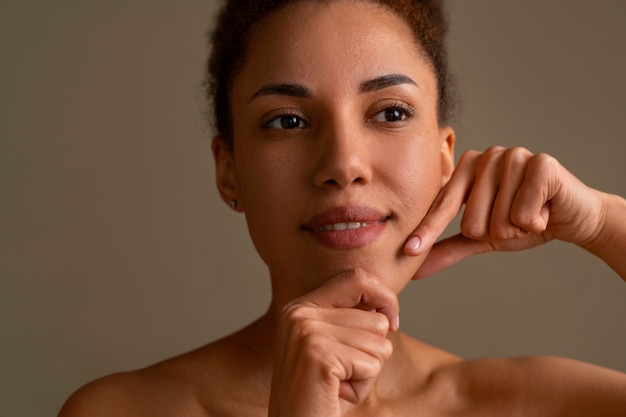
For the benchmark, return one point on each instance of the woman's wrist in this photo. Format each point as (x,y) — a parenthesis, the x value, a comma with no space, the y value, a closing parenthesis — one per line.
(609,240)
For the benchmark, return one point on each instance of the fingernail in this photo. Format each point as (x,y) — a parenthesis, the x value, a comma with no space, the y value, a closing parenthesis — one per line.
(397,323)
(413,244)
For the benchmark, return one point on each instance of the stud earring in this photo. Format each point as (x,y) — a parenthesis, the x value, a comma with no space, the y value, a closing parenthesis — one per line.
(233,204)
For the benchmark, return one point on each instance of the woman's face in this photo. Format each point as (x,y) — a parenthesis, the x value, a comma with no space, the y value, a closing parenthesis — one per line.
(337,151)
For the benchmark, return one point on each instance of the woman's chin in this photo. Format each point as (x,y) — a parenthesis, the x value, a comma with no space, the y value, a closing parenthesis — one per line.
(396,272)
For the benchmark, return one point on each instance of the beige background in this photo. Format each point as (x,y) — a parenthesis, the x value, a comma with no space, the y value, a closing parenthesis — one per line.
(116,252)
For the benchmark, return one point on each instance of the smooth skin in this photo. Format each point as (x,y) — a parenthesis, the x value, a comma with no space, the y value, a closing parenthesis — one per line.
(353,127)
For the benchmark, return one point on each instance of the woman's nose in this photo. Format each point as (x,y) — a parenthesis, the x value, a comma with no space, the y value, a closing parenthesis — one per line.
(342,158)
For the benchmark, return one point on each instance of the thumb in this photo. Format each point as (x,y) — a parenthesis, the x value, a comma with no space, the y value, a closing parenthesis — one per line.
(448,252)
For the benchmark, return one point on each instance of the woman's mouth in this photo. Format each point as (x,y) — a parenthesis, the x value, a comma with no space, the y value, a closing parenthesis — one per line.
(343,226)
(346,227)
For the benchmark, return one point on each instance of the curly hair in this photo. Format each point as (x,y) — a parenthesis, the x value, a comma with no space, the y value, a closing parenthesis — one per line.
(229,40)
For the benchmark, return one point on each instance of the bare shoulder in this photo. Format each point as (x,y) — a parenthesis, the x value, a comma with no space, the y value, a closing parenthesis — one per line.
(110,395)
(202,383)
(144,392)
(538,386)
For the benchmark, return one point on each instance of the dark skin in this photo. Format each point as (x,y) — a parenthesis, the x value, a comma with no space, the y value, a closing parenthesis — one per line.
(329,344)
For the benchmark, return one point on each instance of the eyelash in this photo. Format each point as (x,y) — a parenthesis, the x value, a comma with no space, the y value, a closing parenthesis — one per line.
(407,112)
(285,114)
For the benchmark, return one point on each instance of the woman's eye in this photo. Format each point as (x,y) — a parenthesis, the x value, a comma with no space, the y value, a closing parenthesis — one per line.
(288,121)
(392,114)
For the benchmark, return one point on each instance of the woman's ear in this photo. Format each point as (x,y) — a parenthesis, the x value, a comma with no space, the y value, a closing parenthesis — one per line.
(448,137)
(225,173)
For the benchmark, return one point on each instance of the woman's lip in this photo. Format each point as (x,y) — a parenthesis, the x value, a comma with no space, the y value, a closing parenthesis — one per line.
(346,227)
(345,214)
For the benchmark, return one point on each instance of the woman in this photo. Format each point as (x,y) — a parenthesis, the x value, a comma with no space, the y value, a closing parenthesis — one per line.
(333,140)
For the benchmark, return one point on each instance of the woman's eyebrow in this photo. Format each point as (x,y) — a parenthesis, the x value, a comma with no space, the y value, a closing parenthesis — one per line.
(299,91)
(385,81)
(292,90)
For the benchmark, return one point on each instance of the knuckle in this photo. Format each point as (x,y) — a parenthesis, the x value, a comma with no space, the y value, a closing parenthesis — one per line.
(468,156)
(516,156)
(521,217)
(494,150)
(377,367)
(307,329)
(386,349)
(491,156)
(472,229)
(315,348)
(381,324)
(310,337)
(364,281)
(529,222)
(543,162)
(356,277)
(368,366)
(296,312)
(290,309)
(370,290)
(360,281)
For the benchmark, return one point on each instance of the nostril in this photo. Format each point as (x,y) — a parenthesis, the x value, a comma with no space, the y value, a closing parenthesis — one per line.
(333,182)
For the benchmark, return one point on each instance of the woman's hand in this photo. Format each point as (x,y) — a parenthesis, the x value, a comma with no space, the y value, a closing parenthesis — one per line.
(516,200)
(330,353)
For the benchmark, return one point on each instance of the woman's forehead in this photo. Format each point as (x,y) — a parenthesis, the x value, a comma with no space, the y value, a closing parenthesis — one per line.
(337,42)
